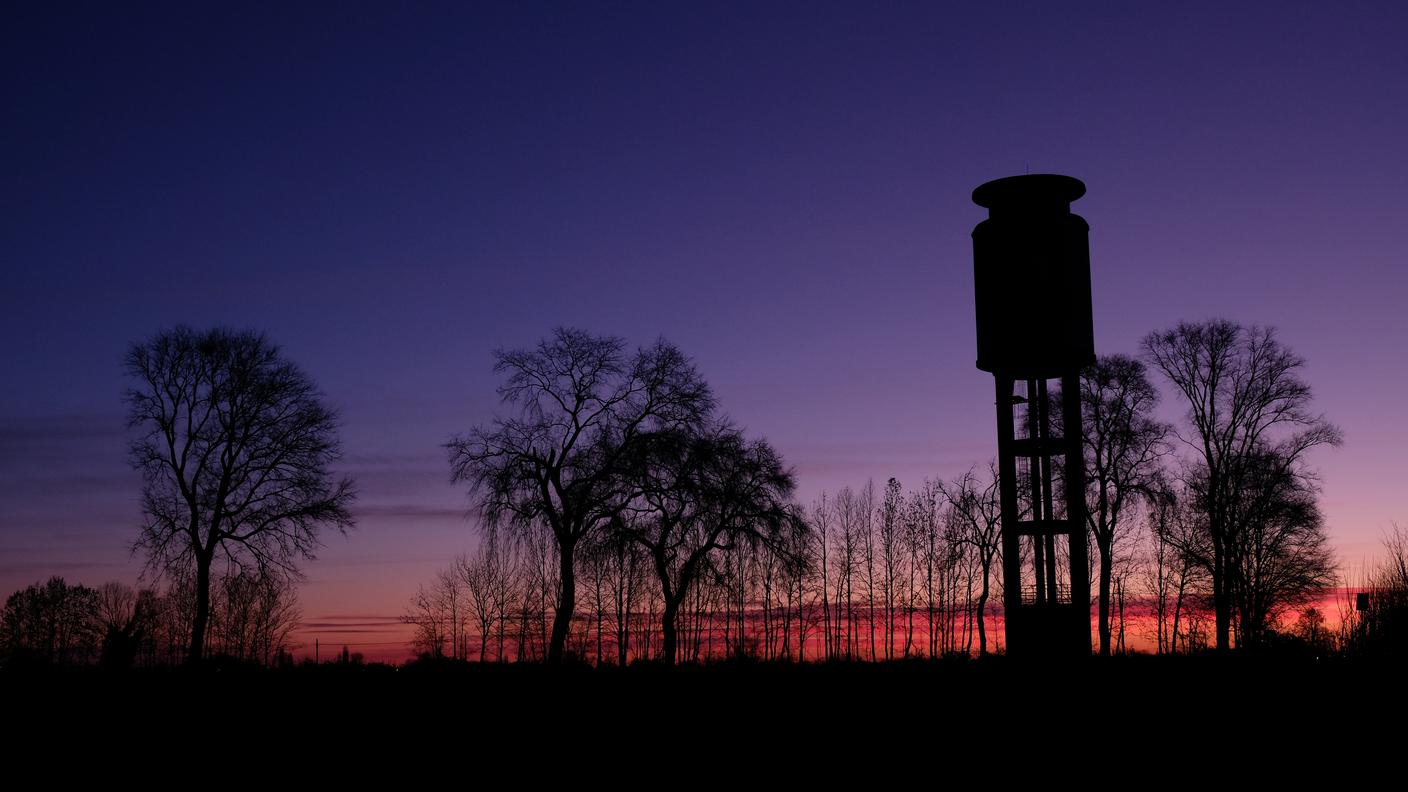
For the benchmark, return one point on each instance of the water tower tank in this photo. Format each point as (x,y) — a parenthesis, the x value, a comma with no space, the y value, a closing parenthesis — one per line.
(1031,271)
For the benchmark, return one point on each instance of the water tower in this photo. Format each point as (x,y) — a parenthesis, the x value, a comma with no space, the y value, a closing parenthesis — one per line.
(1031,271)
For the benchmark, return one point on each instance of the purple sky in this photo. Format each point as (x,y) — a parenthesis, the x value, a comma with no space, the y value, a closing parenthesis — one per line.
(782,192)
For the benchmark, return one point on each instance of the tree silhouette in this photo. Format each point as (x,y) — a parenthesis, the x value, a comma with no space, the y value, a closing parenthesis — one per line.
(1124,448)
(975,515)
(702,492)
(234,450)
(1282,554)
(126,618)
(53,623)
(1380,625)
(252,616)
(1246,403)
(581,408)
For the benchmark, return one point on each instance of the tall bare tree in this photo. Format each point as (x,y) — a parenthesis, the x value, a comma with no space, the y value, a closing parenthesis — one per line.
(821,525)
(487,576)
(234,448)
(973,509)
(865,503)
(891,549)
(581,406)
(851,517)
(1246,401)
(1124,449)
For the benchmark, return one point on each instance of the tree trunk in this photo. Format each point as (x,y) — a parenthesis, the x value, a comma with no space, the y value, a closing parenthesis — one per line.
(667,630)
(1221,602)
(1106,569)
(562,621)
(982,618)
(202,614)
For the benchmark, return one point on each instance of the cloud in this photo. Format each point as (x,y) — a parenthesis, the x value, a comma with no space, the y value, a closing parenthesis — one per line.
(424,461)
(381,617)
(48,429)
(343,632)
(411,511)
(347,627)
(47,569)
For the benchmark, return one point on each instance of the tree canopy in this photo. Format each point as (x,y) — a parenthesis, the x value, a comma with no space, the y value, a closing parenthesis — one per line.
(1250,426)
(234,445)
(580,408)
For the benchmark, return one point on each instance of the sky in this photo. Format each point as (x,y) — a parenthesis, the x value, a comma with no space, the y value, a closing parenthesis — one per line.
(393,191)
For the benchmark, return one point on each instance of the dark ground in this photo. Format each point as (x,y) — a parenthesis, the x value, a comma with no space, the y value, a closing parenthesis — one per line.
(995,714)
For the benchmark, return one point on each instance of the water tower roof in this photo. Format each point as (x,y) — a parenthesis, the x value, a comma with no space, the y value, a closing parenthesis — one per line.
(1033,189)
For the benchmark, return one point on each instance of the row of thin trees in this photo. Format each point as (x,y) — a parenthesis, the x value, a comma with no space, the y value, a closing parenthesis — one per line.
(884,573)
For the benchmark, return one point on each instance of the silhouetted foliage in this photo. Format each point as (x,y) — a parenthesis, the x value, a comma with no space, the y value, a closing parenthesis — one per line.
(974,514)
(50,624)
(1174,575)
(128,618)
(702,492)
(253,616)
(581,409)
(1247,409)
(1124,449)
(234,449)
(1282,555)
(1380,627)
(879,570)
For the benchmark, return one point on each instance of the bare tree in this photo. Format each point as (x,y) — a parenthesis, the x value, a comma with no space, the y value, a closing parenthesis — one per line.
(53,623)
(865,503)
(850,512)
(1282,554)
(234,448)
(1379,625)
(1124,448)
(976,514)
(125,618)
(703,492)
(253,616)
(1245,400)
(1158,580)
(1177,578)
(891,548)
(821,523)
(427,615)
(930,561)
(627,565)
(581,408)
(487,578)
(808,585)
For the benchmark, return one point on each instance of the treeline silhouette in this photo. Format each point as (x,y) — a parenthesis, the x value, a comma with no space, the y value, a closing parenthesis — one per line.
(1379,623)
(886,575)
(879,576)
(1221,545)
(252,620)
(624,518)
